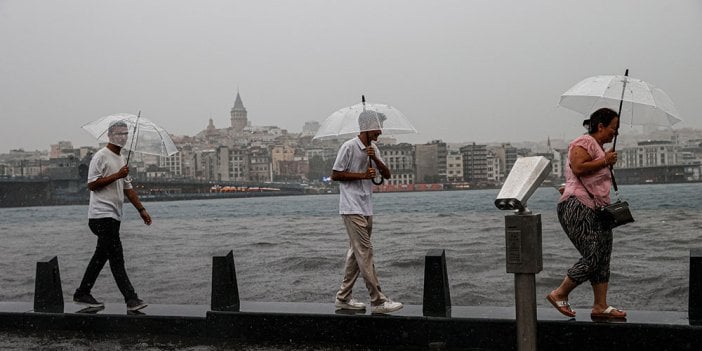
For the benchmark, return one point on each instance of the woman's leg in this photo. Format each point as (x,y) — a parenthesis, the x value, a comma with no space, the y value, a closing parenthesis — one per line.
(563,290)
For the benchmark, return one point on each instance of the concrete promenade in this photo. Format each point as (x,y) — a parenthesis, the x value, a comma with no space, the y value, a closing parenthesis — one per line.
(482,328)
(435,324)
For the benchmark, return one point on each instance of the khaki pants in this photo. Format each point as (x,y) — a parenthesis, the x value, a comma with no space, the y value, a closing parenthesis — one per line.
(359,259)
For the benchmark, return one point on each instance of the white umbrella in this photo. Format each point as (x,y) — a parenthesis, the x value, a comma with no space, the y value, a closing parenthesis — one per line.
(643,103)
(349,121)
(363,117)
(144,136)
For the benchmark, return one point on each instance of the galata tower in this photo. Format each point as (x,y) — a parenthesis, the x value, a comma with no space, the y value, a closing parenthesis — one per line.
(238,113)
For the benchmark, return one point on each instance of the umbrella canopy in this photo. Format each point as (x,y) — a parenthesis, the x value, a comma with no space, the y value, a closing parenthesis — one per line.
(350,121)
(144,136)
(642,103)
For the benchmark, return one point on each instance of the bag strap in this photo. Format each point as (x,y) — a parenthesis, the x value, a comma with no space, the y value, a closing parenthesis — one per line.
(594,200)
(583,184)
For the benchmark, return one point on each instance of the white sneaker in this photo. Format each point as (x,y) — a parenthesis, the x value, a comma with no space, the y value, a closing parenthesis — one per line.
(387,307)
(351,304)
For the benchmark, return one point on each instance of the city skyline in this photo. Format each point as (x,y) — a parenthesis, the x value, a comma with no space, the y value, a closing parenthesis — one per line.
(461,71)
(628,137)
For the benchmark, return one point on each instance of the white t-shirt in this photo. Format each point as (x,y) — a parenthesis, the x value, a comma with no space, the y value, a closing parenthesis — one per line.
(355,195)
(106,202)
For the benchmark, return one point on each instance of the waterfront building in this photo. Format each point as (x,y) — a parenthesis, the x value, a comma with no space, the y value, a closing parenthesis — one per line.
(494,164)
(25,168)
(556,163)
(508,156)
(430,161)
(188,161)
(475,164)
(279,154)
(650,153)
(155,172)
(207,162)
(658,161)
(232,163)
(454,167)
(295,169)
(173,164)
(691,157)
(399,158)
(259,165)
(20,154)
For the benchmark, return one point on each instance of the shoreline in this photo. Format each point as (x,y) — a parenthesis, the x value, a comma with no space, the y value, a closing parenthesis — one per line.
(83,199)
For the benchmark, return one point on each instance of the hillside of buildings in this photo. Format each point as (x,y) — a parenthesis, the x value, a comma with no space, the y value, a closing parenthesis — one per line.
(244,153)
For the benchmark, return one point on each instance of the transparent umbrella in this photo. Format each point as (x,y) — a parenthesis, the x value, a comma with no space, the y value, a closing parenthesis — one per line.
(642,103)
(363,117)
(144,136)
(349,121)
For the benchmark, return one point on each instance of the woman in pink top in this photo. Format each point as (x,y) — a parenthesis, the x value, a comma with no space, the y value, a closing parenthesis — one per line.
(588,182)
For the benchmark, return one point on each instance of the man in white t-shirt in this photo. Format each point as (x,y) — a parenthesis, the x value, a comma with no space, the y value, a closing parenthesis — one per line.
(353,171)
(108,187)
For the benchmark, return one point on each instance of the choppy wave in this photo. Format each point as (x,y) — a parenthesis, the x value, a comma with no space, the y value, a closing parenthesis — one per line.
(292,248)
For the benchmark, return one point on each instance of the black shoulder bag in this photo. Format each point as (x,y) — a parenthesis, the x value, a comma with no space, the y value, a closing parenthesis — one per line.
(614,214)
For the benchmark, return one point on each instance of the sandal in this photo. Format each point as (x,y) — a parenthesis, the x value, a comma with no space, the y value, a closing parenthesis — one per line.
(609,313)
(561,305)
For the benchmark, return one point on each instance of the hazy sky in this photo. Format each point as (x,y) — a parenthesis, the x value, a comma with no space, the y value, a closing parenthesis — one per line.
(460,70)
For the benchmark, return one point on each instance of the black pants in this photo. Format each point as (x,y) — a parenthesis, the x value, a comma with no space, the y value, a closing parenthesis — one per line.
(109,248)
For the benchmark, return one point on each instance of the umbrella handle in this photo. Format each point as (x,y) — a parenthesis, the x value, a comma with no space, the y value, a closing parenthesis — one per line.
(380,182)
(370,165)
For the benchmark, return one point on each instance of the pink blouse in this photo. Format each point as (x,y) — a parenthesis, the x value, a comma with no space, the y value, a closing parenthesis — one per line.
(598,183)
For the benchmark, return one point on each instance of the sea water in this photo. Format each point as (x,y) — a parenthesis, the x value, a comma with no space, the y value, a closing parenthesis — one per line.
(291,249)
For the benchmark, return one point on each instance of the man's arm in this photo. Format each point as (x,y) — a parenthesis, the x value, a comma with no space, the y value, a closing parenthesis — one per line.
(344,176)
(102,182)
(131,194)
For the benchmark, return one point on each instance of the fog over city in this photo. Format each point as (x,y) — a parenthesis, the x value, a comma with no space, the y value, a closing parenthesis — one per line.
(483,71)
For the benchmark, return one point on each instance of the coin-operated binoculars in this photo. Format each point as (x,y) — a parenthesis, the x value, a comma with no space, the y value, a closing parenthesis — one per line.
(523,241)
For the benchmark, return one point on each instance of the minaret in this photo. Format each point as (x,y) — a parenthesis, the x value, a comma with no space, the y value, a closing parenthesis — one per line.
(238,113)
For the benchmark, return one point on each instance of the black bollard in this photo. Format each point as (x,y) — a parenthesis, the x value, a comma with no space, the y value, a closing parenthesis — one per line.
(437,297)
(48,295)
(225,293)
(694,309)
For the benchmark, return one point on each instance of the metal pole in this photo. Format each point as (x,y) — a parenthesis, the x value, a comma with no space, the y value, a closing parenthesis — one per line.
(525,299)
(524,259)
